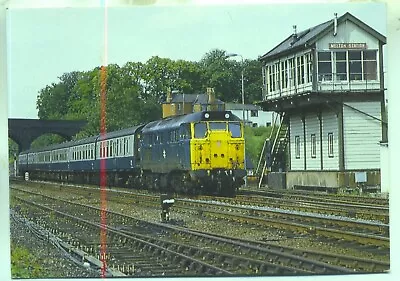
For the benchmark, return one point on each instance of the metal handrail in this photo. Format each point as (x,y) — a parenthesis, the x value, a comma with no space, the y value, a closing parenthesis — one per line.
(272,150)
(265,143)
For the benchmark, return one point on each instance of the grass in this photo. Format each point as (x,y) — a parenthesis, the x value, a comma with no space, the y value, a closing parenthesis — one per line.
(23,263)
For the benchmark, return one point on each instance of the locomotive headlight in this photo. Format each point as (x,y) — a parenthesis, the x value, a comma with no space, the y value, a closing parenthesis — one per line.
(227,115)
(206,115)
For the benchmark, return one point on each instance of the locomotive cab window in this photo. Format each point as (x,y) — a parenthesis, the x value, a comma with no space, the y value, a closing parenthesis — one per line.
(234,129)
(185,132)
(200,130)
(217,126)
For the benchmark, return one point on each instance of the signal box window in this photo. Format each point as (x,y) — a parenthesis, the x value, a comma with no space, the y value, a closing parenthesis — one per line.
(313,146)
(324,66)
(330,145)
(297,146)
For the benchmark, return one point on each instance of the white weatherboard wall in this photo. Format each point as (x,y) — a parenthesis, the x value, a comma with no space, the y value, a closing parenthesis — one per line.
(330,125)
(362,135)
(348,32)
(296,129)
(312,127)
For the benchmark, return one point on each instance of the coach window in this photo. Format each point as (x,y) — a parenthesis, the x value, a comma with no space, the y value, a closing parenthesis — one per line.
(117,148)
(111,148)
(200,130)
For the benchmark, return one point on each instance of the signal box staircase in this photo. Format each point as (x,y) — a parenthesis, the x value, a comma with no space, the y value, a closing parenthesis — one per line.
(273,154)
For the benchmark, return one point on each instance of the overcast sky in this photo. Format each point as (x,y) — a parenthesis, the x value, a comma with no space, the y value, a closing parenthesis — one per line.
(45,43)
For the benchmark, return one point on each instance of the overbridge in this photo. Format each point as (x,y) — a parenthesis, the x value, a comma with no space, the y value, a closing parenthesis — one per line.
(25,131)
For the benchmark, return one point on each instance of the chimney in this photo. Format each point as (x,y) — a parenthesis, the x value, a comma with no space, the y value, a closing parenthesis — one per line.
(169,96)
(211,95)
(335,25)
(294,35)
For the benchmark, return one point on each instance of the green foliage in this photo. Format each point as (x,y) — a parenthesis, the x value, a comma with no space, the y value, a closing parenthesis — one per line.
(255,138)
(47,139)
(12,148)
(135,91)
(23,264)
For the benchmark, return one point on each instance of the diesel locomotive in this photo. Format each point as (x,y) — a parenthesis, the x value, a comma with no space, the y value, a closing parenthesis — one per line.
(197,153)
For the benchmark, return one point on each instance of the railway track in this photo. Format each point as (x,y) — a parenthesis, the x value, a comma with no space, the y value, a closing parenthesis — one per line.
(365,233)
(308,195)
(360,264)
(340,228)
(338,208)
(169,249)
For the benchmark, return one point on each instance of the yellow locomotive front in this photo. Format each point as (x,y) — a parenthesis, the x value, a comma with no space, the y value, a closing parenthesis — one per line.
(217,155)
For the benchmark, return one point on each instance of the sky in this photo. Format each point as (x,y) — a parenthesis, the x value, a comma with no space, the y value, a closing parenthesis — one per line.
(43,44)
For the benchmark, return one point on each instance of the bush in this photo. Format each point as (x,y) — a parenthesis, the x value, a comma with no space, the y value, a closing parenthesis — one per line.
(255,138)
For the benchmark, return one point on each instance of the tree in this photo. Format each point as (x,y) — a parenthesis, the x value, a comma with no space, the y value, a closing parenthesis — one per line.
(253,81)
(135,91)
(222,74)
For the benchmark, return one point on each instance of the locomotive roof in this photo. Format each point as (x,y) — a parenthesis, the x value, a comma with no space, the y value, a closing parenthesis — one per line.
(174,122)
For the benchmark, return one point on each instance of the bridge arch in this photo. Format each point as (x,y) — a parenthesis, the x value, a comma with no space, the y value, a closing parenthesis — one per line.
(25,131)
